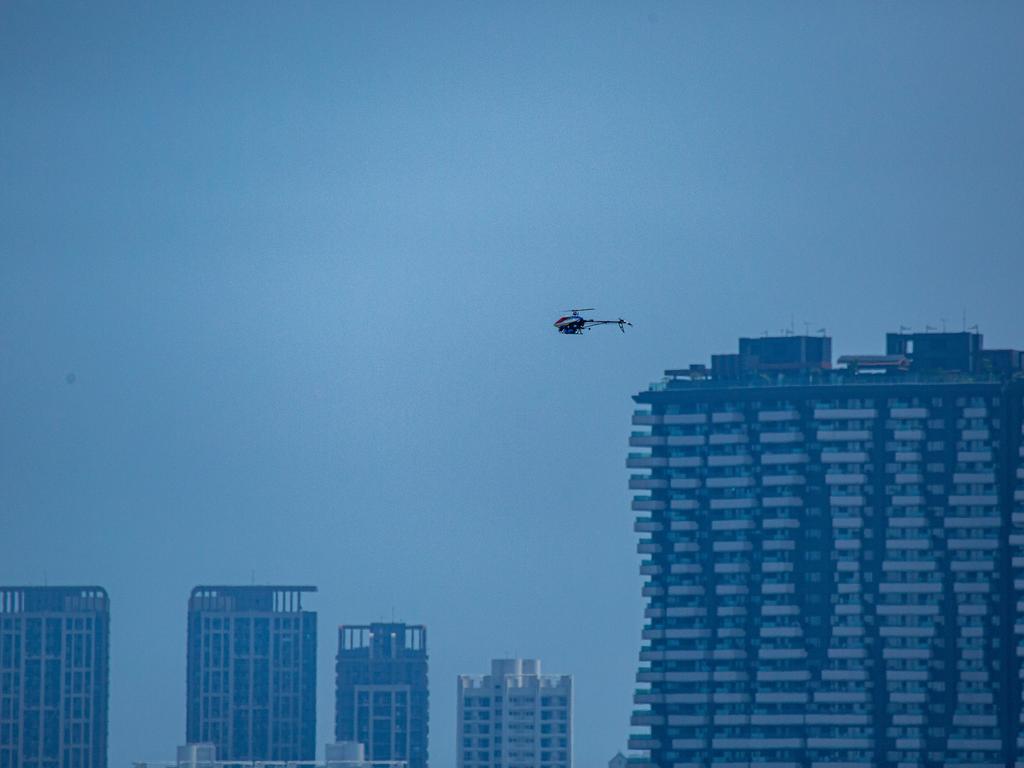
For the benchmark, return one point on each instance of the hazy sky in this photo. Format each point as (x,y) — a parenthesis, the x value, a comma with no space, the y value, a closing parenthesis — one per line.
(303,260)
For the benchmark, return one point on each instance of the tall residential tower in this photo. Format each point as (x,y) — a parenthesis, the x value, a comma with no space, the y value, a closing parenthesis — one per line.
(834,557)
(515,717)
(252,672)
(382,691)
(54,677)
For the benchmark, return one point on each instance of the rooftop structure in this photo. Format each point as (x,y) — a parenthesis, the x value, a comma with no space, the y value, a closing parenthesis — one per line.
(908,358)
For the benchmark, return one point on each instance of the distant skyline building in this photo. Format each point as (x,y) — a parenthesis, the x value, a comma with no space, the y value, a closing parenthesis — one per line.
(338,755)
(381,691)
(252,672)
(834,557)
(515,717)
(54,677)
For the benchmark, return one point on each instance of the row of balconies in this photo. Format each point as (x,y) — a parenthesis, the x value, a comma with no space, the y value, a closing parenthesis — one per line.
(898,439)
(642,417)
(646,461)
(847,499)
(646,439)
(648,483)
(792,414)
(969,462)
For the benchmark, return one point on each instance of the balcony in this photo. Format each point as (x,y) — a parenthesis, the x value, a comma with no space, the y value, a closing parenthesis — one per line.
(731,460)
(823,414)
(730,482)
(685,440)
(645,461)
(843,435)
(771,438)
(646,717)
(728,439)
(645,483)
(645,418)
(646,525)
(647,504)
(685,418)
(643,440)
(643,743)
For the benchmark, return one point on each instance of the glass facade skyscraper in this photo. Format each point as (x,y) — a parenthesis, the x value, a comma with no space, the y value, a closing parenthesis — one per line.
(54,677)
(382,699)
(833,557)
(252,672)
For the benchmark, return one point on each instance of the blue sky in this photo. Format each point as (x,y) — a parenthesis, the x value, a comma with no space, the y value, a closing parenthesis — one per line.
(303,260)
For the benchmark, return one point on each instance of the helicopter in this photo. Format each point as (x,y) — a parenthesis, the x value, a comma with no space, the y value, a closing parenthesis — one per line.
(573,324)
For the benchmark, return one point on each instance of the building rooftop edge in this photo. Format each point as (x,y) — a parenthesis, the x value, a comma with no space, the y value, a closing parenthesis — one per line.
(55,587)
(251,588)
(792,360)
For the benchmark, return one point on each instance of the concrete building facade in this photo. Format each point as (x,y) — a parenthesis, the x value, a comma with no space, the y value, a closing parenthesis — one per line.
(252,672)
(515,717)
(833,557)
(381,691)
(54,677)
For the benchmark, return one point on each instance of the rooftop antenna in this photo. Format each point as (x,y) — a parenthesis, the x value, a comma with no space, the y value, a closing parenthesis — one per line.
(943,324)
(807,328)
(252,577)
(965,317)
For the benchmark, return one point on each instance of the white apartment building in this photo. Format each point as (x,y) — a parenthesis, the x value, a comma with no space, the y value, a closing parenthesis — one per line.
(515,717)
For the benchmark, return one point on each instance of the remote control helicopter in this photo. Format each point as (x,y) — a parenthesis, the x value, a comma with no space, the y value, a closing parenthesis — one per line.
(573,324)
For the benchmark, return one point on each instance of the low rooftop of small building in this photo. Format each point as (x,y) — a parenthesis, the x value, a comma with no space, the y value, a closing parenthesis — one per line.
(910,357)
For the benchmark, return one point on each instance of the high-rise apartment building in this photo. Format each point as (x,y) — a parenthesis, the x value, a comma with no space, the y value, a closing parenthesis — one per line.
(382,691)
(54,677)
(515,717)
(834,557)
(252,672)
